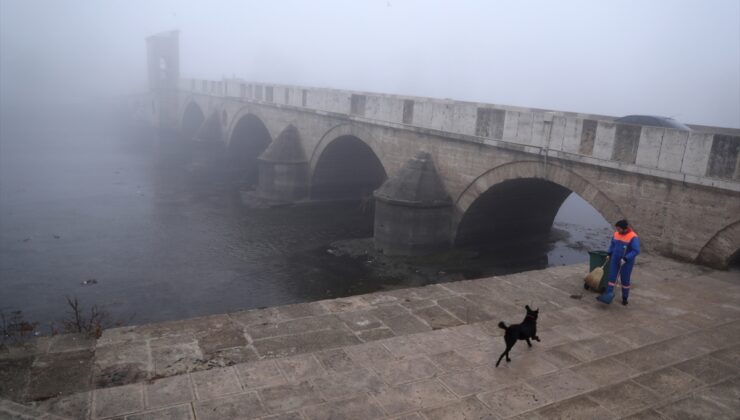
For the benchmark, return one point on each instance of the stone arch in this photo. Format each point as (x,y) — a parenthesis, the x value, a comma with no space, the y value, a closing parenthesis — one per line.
(357,167)
(558,178)
(211,130)
(722,248)
(345,129)
(191,120)
(248,138)
(235,117)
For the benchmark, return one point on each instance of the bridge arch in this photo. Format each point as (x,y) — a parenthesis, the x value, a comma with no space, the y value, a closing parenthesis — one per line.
(345,165)
(723,249)
(192,120)
(523,195)
(248,138)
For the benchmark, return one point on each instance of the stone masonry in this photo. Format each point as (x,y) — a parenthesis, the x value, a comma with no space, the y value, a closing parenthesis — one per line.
(420,353)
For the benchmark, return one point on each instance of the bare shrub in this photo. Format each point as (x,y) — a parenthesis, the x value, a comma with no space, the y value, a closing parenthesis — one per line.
(76,321)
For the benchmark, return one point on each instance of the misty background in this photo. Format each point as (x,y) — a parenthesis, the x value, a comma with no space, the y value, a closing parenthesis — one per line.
(670,58)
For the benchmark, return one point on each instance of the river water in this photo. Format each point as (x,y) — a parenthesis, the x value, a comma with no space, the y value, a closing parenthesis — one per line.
(101,214)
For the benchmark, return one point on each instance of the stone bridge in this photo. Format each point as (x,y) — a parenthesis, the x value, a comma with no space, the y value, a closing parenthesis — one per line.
(447,172)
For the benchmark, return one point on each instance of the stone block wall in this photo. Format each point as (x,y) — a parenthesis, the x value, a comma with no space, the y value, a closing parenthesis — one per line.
(704,154)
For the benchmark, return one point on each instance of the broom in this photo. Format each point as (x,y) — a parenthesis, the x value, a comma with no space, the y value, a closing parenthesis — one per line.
(592,279)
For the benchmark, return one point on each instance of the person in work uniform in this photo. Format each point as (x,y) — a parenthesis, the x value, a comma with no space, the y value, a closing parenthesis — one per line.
(624,248)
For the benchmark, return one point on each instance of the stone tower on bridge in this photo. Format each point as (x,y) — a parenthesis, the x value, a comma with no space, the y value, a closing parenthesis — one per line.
(163,61)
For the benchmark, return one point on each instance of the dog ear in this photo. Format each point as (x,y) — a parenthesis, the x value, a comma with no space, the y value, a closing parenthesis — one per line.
(527,307)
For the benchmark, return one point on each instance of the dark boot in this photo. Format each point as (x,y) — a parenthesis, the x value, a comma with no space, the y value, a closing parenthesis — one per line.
(607,297)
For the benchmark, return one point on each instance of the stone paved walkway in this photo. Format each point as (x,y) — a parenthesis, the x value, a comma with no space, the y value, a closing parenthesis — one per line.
(423,353)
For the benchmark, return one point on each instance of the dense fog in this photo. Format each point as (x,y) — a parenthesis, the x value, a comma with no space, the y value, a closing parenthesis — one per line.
(670,58)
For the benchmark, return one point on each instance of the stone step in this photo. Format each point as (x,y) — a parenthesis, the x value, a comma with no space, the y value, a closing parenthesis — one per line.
(676,336)
(13,410)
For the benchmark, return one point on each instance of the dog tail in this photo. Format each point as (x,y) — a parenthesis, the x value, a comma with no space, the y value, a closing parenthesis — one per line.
(502,325)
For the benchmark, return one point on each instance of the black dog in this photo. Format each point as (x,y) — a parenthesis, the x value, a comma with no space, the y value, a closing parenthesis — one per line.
(524,331)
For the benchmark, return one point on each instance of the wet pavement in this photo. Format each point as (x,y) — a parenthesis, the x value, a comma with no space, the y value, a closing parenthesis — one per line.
(416,353)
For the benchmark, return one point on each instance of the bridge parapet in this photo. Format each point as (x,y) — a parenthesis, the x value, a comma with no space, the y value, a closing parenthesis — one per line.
(707,156)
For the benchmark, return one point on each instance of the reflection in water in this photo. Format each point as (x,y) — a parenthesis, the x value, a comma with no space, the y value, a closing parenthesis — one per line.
(163,241)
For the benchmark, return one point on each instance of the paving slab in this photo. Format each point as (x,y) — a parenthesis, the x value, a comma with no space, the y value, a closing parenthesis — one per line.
(180,412)
(284,416)
(406,370)
(708,369)
(695,408)
(730,355)
(359,321)
(471,382)
(359,407)
(14,378)
(301,367)
(403,346)
(605,371)
(301,310)
(117,401)
(288,345)
(259,374)
(406,324)
(375,334)
(648,414)
(450,361)
(562,384)
(255,317)
(437,317)
(294,326)
(514,400)
(336,360)
(348,383)
(465,309)
(625,398)
(290,396)
(55,374)
(237,406)
(467,409)
(560,358)
(668,382)
(214,383)
(75,406)
(370,353)
(221,339)
(648,357)
(169,391)
(121,364)
(412,396)
(579,408)
(726,393)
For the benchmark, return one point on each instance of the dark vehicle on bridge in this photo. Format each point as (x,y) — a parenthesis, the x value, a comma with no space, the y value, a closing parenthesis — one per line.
(652,120)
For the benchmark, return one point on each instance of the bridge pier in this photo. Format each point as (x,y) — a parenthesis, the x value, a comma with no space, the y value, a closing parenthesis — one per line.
(283,170)
(208,149)
(413,211)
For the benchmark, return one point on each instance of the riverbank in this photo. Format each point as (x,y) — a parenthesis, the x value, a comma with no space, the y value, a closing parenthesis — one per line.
(414,353)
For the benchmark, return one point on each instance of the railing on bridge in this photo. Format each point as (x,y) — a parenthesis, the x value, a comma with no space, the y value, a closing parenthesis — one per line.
(702,155)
